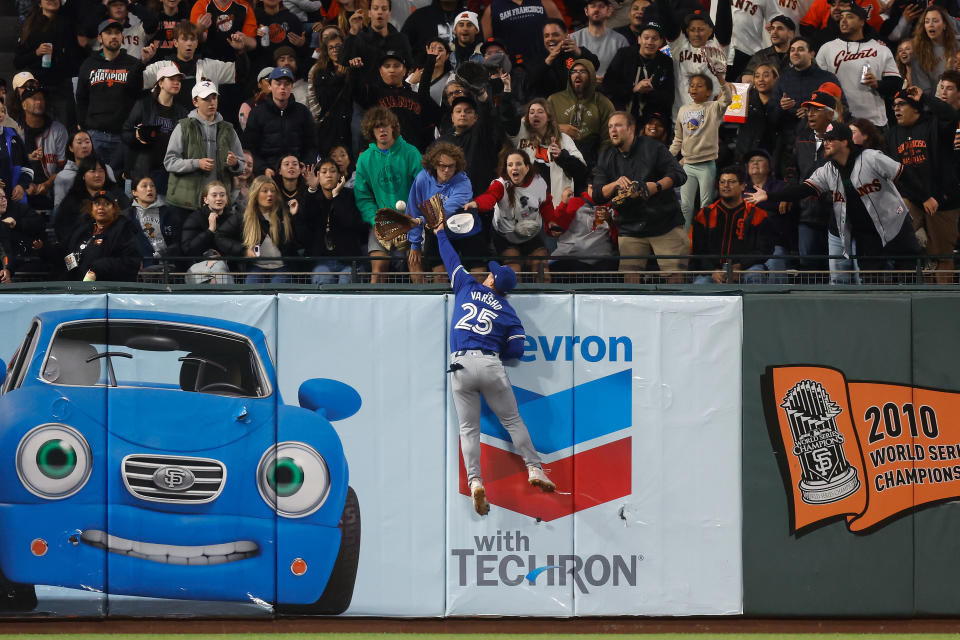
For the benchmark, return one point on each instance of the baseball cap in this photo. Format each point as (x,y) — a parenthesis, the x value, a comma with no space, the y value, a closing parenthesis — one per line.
(280,73)
(838,131)
(656,26)
(757,152)
(856,10)
(101,195)
(831,88)
(465,99)
(264,73)
(284,51)
(109,23)
(654,114)
(492,42)
(470,17)
(903,95)
(203,89)
(821,100)
(22,78)
(504,279)
(699,14)
(391,53)
(785,21)
(168,71)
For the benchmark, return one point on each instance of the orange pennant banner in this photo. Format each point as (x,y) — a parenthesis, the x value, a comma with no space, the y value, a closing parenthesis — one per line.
(866,451)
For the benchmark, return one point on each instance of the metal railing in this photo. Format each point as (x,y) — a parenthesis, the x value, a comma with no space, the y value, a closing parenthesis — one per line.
(299,271)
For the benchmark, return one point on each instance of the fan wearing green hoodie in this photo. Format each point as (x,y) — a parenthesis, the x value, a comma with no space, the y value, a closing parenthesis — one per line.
(582,112)
(385,172)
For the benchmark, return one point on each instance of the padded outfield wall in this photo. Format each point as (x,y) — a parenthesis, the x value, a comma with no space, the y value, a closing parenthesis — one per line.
(766,454)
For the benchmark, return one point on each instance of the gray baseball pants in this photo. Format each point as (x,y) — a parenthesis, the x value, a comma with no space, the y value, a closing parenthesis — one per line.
(484,374)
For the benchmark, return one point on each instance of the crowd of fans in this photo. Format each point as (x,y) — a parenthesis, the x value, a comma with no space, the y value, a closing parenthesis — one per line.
(247,141)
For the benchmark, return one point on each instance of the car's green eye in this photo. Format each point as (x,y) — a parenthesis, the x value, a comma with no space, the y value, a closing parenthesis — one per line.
(285,477)
(293,479)
(56,459)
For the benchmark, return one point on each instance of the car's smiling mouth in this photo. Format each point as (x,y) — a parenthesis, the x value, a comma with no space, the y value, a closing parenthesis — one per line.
(171,553)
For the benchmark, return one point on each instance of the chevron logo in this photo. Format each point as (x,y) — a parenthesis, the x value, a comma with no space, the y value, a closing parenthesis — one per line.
(582,435)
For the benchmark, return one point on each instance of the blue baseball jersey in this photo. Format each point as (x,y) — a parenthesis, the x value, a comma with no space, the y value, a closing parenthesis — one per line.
(482,318)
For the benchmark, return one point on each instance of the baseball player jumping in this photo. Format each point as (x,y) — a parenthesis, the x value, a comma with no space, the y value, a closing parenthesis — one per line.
(485,331)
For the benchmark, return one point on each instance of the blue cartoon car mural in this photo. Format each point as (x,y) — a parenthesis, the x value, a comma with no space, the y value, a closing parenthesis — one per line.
(150,454)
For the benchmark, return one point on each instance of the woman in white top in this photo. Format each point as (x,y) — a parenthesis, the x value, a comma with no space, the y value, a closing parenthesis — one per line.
(521,205)
(551,152)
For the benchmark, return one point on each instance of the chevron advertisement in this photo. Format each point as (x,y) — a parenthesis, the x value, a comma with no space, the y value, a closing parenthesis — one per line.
(633,404)
(298,454)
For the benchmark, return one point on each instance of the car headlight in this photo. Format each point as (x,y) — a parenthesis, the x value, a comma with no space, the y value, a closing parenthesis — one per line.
(53,461)
(293,479)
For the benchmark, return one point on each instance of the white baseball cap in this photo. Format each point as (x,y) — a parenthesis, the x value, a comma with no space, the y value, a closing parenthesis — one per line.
(470,17)
(21,79)
(203,89)
(168,71)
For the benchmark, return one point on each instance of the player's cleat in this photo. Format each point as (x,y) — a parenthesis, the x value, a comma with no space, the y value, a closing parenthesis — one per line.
(479,497)
(539,479)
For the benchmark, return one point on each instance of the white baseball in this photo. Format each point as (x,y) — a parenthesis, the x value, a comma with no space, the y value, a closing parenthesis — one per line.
(401,206)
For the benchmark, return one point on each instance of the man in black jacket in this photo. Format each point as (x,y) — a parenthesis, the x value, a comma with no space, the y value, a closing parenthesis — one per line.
(642,77)
(548,75)
(280,126)
(924,145)
(815,212)
(795,85)
(647,225)
(108,84)
(436,20)
(363,50)
(416,110)
(479,133)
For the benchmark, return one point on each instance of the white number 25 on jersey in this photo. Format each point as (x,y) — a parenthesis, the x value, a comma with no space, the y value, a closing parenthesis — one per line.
(484,323)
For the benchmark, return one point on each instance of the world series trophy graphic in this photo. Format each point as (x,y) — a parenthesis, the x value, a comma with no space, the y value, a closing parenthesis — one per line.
(818,444)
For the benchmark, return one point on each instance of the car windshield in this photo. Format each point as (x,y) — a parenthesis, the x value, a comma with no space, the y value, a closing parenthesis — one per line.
(129,353)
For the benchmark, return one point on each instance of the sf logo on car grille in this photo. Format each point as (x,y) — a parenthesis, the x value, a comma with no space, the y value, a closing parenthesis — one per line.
(173,478)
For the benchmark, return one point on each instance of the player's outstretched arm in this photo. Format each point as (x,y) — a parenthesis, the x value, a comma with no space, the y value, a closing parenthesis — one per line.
(451,260)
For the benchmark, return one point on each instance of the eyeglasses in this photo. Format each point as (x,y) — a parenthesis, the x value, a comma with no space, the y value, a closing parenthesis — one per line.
(445,167)
(456,92)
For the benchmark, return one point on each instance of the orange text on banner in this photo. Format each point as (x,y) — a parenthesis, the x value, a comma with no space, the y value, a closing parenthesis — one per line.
(867,451)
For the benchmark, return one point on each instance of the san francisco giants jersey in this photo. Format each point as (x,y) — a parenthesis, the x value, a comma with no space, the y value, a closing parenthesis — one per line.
(871,177)
(688,61)
(793,9)
(845,60)
(482,318)
(749,19)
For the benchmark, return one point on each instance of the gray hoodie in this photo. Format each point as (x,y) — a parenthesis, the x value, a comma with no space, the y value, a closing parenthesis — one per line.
(174,162)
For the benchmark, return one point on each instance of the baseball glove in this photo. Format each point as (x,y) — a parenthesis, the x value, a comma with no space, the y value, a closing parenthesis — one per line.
(637,189)
(390,224)
(432,211)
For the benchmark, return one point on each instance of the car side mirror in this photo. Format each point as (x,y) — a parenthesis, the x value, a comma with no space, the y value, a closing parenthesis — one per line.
(3,371)
(330,398)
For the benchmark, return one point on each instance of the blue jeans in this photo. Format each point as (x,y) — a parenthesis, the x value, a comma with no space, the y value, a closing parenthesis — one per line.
(778,265)
(259,275)
(839,265)
(332,271)
(811,241)
(105,144)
